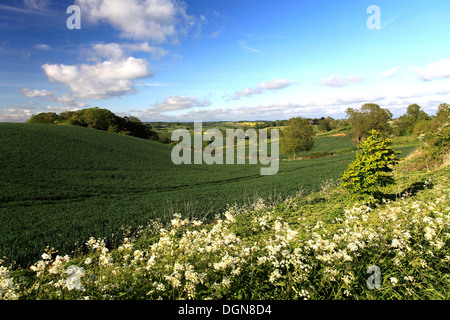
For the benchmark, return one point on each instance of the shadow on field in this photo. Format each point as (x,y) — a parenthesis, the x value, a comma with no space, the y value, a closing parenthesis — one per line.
(411,190)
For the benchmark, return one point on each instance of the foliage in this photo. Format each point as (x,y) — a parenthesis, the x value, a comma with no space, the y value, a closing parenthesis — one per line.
(284,252)
(405,125)
(438,142)
(101,119)
(298,136)
(443,113)
(371,117)
(371,169)
(315,155)
(44,118)
(324,125)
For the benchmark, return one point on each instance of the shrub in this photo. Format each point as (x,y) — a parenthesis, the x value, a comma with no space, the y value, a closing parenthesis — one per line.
(371,169)
(438,143)
(322,154)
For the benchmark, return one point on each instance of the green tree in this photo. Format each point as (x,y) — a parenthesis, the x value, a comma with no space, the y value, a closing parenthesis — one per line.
(443,113)
(298,136)
(136,128)
(405,124)
(324,125)
(97,118)
(44,118)
(370,117)
(371,169)
(438,142)
(422,127)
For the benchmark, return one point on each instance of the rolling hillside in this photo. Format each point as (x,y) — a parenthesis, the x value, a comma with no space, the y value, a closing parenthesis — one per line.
(60,185)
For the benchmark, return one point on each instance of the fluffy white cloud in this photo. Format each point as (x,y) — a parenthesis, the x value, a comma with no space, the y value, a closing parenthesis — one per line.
(336,81)
(177,103)
(436,70)
(390,73)
(70,101)
(102,80)
(155,20)
(274,84)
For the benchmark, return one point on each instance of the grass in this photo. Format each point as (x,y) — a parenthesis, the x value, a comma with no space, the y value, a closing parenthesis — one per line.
(310,246)
(60,185)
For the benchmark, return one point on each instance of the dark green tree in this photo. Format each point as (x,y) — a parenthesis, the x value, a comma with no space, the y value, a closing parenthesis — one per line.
(405,124)
(370,117)
(443,113)
(97,118)
(298,136)
(324,125)
(44,118)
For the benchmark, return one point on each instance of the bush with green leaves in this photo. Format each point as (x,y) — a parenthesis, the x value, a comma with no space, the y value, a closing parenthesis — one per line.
(371,169)
(438,142)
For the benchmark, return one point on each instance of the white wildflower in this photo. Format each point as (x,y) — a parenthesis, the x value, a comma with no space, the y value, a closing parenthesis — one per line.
(394,280)
(274,276)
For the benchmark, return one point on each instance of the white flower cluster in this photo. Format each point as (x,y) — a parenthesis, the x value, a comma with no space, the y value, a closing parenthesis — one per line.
(315,258)
(8,287)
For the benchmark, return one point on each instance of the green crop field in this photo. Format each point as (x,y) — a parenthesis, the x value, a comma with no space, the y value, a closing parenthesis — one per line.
(60,185)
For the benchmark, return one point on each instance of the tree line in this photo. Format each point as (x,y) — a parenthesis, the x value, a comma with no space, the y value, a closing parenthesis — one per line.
(299,133)
(101,119)
(296,136)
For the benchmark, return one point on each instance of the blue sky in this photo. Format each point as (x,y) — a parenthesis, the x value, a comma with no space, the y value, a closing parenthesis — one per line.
(203,60)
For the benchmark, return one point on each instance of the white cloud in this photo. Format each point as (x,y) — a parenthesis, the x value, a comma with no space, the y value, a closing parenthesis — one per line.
(274,84)
(102,80)
(37,93)
(60,109)
(157,52)
(71,101)
(65,99)
(315,104)
(436,70)
(177,103)
(42,46)
(15,114)
(112,51)
(119,51)
(155,20)
(336,81)
(391,72)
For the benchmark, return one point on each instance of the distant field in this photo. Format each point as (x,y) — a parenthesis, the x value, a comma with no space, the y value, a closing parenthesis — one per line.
(330,143)
(60,185)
